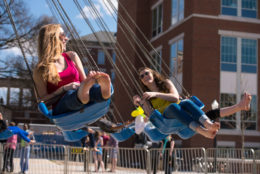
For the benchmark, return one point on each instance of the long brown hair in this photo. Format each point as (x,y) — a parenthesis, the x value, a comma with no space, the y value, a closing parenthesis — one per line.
(49,50)
(159,80)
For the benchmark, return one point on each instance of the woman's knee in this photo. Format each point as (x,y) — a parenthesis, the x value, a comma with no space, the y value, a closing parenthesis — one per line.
(172,110)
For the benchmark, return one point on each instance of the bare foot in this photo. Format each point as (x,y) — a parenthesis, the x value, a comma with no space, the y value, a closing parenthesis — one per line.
(244,103)
(83,92)
(104,81)
(212,126)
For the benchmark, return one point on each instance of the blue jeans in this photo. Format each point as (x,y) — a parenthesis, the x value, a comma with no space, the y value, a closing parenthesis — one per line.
(24,160)
(70,102)
(187,112)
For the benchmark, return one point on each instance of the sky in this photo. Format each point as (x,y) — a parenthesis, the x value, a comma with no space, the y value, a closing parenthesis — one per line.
(38,8)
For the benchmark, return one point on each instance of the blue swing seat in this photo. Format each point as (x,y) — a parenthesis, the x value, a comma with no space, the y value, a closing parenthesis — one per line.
(77,119)
(4,135)
(173,126)
(197,101)
(73,136)
(124,134)
(153,133)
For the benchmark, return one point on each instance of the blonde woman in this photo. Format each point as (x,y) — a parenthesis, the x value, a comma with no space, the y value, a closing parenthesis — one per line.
(60,73)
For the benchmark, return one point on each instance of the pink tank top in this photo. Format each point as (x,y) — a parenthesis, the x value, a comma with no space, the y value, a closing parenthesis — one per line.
(70,74)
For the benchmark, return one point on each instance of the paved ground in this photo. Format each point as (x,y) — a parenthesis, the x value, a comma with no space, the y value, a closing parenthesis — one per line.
(44,166)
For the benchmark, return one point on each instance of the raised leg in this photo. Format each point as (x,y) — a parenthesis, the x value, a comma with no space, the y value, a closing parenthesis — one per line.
(243,105)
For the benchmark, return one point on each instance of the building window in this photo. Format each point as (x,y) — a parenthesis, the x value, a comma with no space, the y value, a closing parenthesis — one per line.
(14,96)
(176,62)
(177,10)
(3,95)
(249,8)
(156,61)
(248,61)
(247,49)
(228,54)
(27,98)
(241,8)
(157,20)
(113,76)
(101,57)
(114,57)
(238,74)
(229,7)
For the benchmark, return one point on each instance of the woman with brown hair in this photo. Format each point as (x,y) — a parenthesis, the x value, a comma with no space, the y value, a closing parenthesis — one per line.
(60,73)
(164,97)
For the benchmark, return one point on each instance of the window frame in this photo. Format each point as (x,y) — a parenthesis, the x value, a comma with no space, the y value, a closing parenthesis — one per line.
(155,31)
(101,61)
(178,15)
(239,10)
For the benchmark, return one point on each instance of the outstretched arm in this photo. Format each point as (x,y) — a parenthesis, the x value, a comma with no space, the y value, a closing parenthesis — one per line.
(23,134)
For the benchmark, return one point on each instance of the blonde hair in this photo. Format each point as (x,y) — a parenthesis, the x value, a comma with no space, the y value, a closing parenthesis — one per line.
(49,50)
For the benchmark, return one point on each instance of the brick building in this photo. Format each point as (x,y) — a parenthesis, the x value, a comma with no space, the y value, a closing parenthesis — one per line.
(212,49)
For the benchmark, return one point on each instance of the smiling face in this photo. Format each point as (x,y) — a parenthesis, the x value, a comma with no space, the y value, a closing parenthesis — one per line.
(63,38)
(146,77)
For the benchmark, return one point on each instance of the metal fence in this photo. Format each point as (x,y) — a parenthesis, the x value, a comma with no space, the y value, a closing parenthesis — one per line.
(59,159)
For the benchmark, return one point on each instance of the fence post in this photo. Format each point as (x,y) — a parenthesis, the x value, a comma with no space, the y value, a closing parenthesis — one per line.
(148,161)
(1,154)
(66,159)
(175,165)
(254,161)
(86,159)
(205,159)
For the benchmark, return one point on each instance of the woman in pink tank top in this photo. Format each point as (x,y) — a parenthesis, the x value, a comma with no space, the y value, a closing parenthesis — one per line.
(60,73)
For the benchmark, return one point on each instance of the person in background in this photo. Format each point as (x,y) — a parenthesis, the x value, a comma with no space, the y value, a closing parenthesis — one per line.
(167,151)
(113,144)
(90,141)
(3,125)
(25,149)
(97,155)
(154,149)
(106,138)
(9,152)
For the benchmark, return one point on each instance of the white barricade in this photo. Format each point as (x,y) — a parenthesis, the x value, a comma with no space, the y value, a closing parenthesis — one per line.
(59,159)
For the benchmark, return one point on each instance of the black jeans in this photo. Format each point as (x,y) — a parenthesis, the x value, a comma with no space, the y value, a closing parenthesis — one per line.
(8,160)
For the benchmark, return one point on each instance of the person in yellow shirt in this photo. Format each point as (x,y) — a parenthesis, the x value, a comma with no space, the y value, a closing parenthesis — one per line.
(164,97)
(25,149)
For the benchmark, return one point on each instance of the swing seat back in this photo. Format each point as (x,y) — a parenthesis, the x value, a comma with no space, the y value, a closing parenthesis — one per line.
(73,136)
(4,135)
(78,119)
(197,101)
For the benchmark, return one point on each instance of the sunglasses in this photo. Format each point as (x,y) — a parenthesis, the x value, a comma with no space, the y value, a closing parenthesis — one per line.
(63,34)
(144,74)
